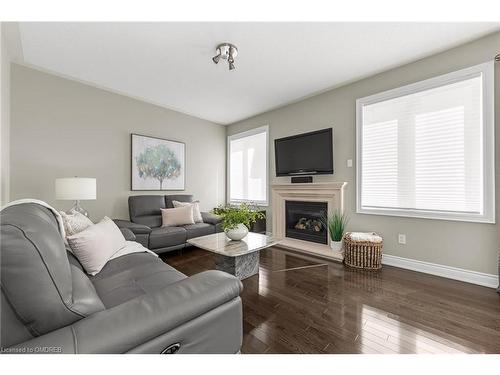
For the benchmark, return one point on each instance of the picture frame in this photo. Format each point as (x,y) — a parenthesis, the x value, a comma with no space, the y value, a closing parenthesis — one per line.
(157,164)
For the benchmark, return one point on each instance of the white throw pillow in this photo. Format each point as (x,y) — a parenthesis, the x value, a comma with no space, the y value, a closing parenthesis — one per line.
(196,209)
(74,222)
(173,217)
(95,245)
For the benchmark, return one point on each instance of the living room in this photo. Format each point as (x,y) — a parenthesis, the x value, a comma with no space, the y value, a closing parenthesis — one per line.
(250,187)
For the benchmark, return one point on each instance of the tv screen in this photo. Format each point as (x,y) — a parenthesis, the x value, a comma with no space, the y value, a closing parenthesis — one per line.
(305,154)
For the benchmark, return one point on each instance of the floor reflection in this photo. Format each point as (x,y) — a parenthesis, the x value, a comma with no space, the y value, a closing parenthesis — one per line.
(303,305)
(386,335)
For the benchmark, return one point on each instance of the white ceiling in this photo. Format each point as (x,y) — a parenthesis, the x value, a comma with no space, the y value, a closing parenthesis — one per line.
(170,64)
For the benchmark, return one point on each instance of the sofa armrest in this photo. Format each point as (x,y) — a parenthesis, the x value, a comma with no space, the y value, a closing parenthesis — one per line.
(211,218)
(128,234)
(135,228)
(126,326)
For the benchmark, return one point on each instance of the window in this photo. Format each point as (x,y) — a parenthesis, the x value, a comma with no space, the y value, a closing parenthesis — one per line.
(247,158)
(427,149)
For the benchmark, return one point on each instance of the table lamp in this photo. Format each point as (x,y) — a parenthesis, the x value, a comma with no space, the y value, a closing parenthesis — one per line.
(76,189)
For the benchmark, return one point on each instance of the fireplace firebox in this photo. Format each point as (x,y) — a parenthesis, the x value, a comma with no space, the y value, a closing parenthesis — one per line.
(305,221)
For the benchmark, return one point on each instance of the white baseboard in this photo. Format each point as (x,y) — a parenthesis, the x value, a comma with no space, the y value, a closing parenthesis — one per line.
(473,277)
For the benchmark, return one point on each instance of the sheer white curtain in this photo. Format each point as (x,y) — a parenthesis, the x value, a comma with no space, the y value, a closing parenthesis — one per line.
(423,151)
(248,166)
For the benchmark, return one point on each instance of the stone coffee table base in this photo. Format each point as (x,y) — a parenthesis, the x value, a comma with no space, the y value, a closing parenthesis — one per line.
(242,266)
(238,258)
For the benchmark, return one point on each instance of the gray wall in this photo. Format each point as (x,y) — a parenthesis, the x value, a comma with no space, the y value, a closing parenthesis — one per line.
(458,244)
(5,119)
(62,128)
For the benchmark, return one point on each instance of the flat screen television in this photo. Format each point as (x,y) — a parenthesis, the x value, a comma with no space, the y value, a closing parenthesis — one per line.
(305,154)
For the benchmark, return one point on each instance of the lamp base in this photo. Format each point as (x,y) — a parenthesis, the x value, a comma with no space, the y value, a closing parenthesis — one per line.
(76,207)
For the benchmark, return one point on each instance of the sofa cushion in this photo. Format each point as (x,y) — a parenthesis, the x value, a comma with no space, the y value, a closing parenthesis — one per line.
(36,273)
(145,209)
(132,275)
(96,244)
(169,199)
(74,222)
(167,236)
(196,209)
(152,221)
(175,217)
(199,229)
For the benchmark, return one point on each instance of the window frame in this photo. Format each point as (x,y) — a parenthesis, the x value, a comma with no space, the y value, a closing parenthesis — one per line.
(244,134)
(486,71)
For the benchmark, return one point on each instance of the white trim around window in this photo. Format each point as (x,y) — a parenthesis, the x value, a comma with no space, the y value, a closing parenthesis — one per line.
(387,116)
(262,169)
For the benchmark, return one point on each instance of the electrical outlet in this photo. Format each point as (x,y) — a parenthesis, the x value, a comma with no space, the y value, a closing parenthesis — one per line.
(402,239)
(349,163)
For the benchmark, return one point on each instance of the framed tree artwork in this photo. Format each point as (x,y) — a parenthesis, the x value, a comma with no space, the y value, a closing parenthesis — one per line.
(157,164)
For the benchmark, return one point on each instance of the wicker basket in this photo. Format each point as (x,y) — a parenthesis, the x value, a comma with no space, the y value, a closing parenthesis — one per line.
(362,254)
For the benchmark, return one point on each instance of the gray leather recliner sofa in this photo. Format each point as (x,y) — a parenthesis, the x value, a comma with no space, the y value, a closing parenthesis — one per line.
(136,304)
(145,223)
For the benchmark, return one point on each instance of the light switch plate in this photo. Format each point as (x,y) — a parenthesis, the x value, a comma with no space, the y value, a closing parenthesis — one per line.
(349,163)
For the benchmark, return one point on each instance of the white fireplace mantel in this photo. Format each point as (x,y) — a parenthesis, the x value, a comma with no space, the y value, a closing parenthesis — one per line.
(332,193)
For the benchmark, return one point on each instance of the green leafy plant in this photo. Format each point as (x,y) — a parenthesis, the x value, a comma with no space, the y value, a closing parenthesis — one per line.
(336,224)
(243,214)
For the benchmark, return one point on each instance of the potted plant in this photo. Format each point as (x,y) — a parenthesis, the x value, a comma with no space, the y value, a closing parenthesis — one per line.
(336,224)
(238,219)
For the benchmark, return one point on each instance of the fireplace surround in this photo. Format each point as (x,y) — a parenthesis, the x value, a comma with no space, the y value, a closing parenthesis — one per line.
(329,194)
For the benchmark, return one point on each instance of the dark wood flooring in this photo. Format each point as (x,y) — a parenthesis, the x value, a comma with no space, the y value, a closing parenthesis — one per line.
(305,305)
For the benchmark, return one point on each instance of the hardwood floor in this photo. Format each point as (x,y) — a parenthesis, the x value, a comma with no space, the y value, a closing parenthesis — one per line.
(305,305)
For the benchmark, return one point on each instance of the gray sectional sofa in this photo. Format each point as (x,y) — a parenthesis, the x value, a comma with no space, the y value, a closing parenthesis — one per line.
(136,304)
(145,223)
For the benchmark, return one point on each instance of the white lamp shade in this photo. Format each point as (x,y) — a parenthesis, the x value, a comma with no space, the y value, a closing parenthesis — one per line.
(75,188)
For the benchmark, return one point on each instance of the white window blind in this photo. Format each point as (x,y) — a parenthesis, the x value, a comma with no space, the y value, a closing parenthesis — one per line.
(425,150)
(248,160)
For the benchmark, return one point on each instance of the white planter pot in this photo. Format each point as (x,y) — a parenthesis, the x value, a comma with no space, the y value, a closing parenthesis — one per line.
(336,245)
(238,233)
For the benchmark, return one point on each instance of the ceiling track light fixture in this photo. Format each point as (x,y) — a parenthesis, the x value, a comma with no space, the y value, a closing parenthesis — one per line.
(497,58)
(226,51)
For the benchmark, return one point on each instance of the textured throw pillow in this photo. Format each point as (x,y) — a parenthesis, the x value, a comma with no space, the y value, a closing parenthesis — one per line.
(74,222)
(173,217)
(196,209)
(95,245)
